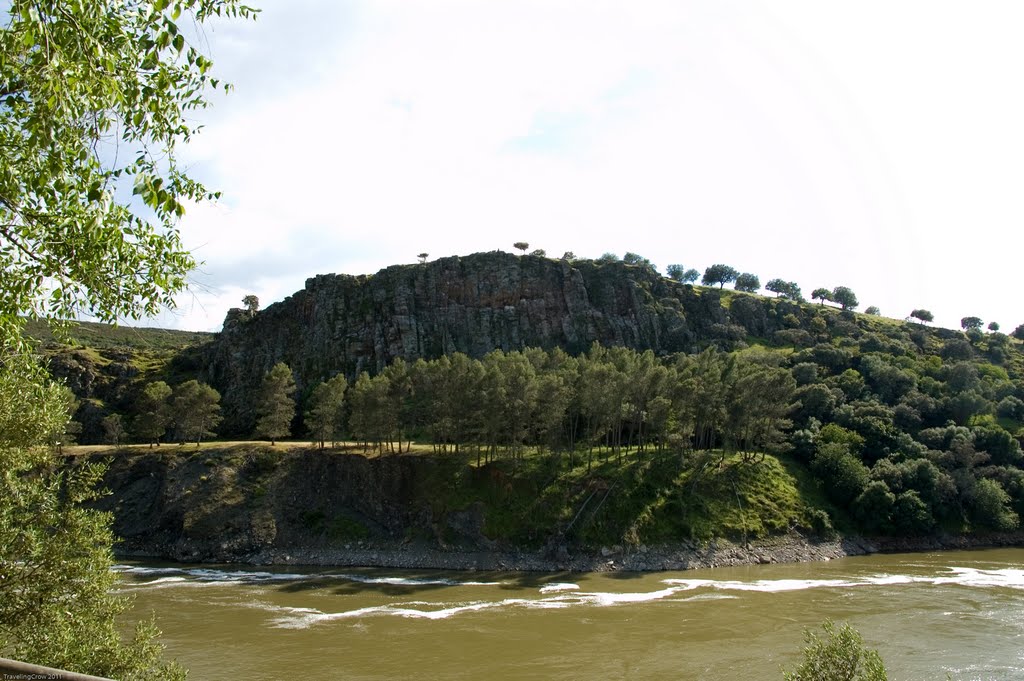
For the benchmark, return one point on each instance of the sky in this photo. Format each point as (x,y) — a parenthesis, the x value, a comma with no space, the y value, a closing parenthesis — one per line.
(875,145)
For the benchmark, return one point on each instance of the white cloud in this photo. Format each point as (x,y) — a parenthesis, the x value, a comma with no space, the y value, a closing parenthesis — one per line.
(873,146)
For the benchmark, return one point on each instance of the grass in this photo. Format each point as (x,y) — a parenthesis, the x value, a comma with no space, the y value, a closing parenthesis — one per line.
(108,336)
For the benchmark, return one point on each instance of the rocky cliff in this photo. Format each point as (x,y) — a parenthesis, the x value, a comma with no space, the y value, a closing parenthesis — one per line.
(473,304)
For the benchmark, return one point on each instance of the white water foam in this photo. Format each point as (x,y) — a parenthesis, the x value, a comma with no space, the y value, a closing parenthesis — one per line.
(558,587)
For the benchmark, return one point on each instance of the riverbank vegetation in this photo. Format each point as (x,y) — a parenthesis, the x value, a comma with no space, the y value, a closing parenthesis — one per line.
(899,431)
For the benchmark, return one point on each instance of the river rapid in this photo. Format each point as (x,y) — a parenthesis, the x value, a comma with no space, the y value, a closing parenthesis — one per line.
(929,614)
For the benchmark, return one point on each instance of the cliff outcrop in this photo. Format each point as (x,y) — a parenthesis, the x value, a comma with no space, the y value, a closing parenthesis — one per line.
(474,304)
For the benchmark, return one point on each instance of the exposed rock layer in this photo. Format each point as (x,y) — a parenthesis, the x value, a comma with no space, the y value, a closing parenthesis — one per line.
(474,304)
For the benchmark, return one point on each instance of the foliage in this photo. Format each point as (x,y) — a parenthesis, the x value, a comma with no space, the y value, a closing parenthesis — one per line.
(970,323)
(821,295)
(252,304)
(195,411)
(923,315)
(94,100)
(675,272)
(152,412)
(747,282)
(275,408)
(77,82)
(785,289)
(1018,333)
(521,246)
(993,326)
(607,259)
(539,252)
(872,310)
(324,413)
(422,257)
(840,656)
(57,601)
(569,256)
(719,274)
(845,297)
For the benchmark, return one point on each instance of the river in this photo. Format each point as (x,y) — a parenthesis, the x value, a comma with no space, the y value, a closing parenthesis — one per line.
(928,614)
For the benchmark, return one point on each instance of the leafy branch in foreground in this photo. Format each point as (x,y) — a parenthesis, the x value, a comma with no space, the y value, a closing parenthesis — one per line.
(95,98)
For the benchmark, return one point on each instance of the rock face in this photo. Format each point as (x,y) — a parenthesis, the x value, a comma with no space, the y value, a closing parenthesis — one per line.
(473,304)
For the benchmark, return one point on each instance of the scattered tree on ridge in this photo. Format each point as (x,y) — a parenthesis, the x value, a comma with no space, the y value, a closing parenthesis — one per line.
(873,310)
(993,326)
(675,272)
(521,245)
(423,257)
(777,286)
(607,259)
(719,274)
(748,283)
(924,315)
(252,304)
(635,259)
(539,252)
(569,256)
(275,408)
(822,294)
(691,275)
(967,323)
(845,297)
(1018,333)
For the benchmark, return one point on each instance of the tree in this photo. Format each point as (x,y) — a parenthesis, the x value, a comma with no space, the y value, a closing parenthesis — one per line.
(195,411)
(777,286)
(993,326)
(423,257)
(822,294)
(539,252)
(275,408)
(719,274)
(635,259)
(607,259)
(967,323)
(841,656)
(569,256)
(78,79)
(58,604)
(152,413)
(325,409)
(748,283)
(675,272)
(924,315)
(252,304)
(845,297)
(873,310)
(1018,333)
(113,428)
(690,276)
(521,245)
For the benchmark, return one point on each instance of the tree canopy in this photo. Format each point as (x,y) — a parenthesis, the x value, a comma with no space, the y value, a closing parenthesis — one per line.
(95,99)
(970,323)
(923,315)
(719,274)
(845,296)
(748,283)
(275,407)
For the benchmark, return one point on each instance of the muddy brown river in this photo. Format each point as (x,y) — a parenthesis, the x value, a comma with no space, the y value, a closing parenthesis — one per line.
(929,615)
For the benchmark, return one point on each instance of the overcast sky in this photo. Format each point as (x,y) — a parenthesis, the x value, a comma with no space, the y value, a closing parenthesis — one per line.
(876,145)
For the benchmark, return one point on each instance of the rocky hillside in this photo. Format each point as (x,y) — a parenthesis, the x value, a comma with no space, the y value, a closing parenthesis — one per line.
(475,304)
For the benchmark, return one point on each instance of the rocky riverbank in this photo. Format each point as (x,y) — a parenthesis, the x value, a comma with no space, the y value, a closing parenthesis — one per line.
(792,548)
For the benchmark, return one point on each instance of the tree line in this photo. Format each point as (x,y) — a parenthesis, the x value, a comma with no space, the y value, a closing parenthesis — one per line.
(902,439)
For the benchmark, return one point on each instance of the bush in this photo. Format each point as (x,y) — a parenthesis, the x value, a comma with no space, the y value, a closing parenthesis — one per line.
(841,656)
